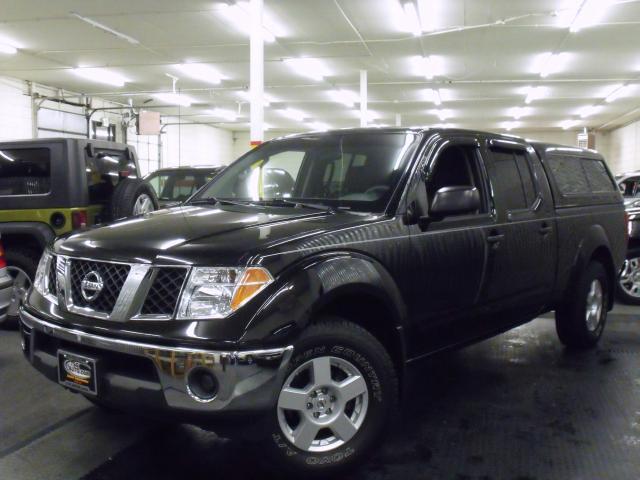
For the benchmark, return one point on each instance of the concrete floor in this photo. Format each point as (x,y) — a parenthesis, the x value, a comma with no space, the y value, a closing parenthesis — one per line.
(516,407)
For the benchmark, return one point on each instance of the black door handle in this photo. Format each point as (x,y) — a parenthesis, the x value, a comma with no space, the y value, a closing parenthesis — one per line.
(495,239)
(545,229)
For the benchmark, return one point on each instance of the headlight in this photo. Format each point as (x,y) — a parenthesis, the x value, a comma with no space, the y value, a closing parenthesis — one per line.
(213,292)
(41,273)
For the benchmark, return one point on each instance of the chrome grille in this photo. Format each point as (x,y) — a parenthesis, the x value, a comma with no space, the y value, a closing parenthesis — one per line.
(164,292)
(113,275)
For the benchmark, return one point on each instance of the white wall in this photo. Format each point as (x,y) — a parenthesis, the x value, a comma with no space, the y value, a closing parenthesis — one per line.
(15,110)
(241,141)
(624,150)
(196,145)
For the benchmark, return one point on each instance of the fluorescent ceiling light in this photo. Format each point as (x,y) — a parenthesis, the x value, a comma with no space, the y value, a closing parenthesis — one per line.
(618,92)
(238,14)
(174,99)
(508,126)
(8,49)
(552,63)
(424,66)
(200,71)
(293,114)
(101,75)
(104,28)
(346,97)
(411,19)
(222,113)
(588,13)
(534,93)
(567,124)
(433,95)
(588,111)
(443,115)
(519,112)
(428,10)
(319,126)
(267,98)
(308,67)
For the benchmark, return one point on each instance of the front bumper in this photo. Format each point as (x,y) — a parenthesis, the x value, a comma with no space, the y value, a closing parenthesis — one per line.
(144,375)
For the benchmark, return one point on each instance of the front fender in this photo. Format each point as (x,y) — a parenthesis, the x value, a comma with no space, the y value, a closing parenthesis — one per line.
(307,287)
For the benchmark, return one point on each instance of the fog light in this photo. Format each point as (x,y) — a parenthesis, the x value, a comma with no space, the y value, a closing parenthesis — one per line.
(202,384)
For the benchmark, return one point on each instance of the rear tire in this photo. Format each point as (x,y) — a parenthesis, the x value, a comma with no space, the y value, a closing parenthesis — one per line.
(580,321)
(330,355)
(21,265)
(132,196)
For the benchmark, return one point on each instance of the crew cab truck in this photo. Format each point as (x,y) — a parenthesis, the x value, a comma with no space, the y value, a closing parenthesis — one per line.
(297,287)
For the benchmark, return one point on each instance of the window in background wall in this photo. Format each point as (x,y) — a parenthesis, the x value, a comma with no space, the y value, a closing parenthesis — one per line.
(147,148)
(100,132)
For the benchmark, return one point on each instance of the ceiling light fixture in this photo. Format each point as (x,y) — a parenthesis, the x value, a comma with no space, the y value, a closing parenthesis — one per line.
(428,12)
(433,95)
(267,99)
(588,111)
(8,49)
(238,14)
(519,112)
(443,115)
(319,126)
(411,18)
(308,67)
(567,124)
(221,113)
(425,66)
(588,13)
(533,93)
(618,92)
(200,71)
(508,126)
(294,114)
(551,63)
(346,97)
(174,99)
(104,28)
(100,75)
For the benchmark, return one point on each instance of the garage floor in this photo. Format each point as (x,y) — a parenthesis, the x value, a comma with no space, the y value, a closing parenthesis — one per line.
(514,407)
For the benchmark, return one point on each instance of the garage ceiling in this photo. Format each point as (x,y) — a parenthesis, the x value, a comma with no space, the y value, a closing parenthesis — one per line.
(485,55)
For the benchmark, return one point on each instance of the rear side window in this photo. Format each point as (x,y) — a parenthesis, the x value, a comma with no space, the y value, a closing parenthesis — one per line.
(580,176)
(25,171)
(514,183)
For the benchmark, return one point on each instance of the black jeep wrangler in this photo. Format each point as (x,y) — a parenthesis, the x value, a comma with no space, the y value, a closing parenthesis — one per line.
(295,290)
(49,187)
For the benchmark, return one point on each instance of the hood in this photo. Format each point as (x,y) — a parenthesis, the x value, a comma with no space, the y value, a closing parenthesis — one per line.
(199,235)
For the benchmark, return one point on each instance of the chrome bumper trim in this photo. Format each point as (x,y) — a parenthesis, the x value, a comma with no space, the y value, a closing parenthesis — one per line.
(248,380)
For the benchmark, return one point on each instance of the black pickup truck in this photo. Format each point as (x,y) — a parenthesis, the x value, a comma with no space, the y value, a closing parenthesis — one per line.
(297,287)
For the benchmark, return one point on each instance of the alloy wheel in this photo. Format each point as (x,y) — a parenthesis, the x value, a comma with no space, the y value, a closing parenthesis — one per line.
(595,303)
(630,277)
(323,404)
(21,283)
(143,204)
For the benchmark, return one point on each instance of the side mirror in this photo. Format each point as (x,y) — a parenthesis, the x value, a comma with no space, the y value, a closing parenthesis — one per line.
(455,201)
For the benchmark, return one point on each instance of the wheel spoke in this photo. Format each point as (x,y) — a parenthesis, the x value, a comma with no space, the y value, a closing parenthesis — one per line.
(352,387)
(322,371)
(305,434)
(343,428)
(292,399)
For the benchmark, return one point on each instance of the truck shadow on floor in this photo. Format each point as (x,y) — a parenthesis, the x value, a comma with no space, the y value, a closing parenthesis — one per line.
(516,407)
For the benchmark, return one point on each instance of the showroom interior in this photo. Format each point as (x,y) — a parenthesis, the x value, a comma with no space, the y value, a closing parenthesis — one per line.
(190,87)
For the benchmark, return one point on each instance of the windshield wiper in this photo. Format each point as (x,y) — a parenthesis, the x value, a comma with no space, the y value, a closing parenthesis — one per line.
(215,201)
(285,202)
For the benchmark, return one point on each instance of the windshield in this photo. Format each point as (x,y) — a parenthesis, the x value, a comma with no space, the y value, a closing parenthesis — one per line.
(177,186)
(356,171)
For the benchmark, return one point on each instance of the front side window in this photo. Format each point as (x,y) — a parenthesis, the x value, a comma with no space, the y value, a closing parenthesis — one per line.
(351,171)
(25,171)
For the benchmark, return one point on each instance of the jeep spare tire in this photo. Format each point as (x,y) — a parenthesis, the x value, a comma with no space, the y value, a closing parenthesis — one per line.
(132,196)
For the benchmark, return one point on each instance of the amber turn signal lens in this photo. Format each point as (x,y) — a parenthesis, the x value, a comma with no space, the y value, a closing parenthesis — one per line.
(252,281)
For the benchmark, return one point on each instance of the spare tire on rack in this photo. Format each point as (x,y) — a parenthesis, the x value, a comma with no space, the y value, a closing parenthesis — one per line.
(132,196)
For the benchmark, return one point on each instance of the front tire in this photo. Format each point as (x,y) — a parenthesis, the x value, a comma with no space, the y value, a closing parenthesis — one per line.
(339,396)
(21,265)
(628,287)
(581,319)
